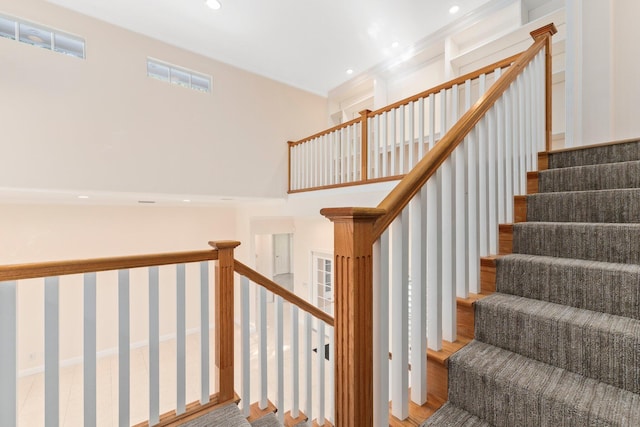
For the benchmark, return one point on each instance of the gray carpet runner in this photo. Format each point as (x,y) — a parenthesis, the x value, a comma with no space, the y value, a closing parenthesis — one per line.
(231,416)
(558,344)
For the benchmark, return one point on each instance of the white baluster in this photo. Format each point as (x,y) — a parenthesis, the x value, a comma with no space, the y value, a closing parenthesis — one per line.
(522,117)
(508,153)
(411,143)
(401,123)
(181,343)
(491,181)
(308,346)
(381,331)
(384,143)
(89,350)
(321,377)
(279,332)
(399,324)
(392,142)
(295,362)
(331,405)
(245,345)
(483,208)
(473,272)
(262,347)
(418,301)
(421,130)
(154,346)
(434,285)
(51,352)
(500,158)
(9,353)
(204,333)
(124,363)
(348,146)
(357,131)
(376,146)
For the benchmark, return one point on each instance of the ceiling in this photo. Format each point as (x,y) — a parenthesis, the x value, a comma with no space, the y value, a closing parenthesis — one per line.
(309,44)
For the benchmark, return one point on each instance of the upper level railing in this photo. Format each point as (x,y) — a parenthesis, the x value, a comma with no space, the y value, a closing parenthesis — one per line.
(426,237)
(129,300)
(393,139)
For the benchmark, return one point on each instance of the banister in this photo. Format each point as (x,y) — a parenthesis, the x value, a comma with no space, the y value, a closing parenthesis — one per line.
(400,196)
(276,289)
(503,63)
(326,132)
(61,268)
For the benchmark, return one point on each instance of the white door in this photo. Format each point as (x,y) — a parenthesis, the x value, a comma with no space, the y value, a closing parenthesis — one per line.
(282,254)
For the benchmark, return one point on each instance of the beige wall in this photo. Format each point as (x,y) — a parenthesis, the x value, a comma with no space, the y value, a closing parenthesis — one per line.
(32,233)
(101,124)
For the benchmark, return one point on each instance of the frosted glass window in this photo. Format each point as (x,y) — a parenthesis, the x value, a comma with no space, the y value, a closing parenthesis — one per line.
(7,28)
(35,36)
(178,75)
(69,45)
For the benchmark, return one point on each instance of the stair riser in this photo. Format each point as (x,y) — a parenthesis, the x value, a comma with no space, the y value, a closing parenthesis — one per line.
(595,155)
(605,288)
(584,178)
(613,206)
(596,345)
(602,242)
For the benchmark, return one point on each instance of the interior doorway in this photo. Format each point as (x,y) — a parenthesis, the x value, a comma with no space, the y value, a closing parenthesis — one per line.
(274,258)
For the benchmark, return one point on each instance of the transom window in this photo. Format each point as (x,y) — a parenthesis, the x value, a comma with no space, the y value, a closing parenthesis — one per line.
(178,75)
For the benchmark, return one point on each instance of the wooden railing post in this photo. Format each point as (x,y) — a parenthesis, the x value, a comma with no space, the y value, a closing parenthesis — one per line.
(546,32)
(364,145)
(224,332)
(289,148)
(353,277)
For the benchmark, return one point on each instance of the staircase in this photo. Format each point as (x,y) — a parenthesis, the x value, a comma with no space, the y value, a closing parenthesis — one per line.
(229,415)
(558,343)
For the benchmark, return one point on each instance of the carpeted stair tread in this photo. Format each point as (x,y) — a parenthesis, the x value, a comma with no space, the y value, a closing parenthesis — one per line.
(452,416)
(606,206)
(591,177)
(616,243)
(226,416)
(507,389)
(613,153)
(589,343)
(591,285)
(269,420)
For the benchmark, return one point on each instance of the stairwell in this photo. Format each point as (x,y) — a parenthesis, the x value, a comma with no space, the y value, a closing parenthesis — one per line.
(558,343)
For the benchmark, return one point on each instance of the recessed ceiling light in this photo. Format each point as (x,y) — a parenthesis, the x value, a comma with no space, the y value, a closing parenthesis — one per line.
(454,9)
(213,4)
(186,200)
(395,44)
(350,71)
(83,197)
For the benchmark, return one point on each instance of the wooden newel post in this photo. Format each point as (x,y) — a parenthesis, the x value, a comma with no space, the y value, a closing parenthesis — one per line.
(353,280)
(224,334)
(547,32)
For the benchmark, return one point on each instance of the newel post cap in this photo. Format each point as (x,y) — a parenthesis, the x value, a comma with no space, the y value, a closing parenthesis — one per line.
(549,29)
(224,244)
(362,214)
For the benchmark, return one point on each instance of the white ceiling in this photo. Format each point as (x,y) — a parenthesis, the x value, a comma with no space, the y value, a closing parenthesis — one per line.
(308,44)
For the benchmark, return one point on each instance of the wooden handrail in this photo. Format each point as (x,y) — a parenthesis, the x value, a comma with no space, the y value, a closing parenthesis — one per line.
(325,132)
(400,196)
(276,289)
(503,63)
(61,268)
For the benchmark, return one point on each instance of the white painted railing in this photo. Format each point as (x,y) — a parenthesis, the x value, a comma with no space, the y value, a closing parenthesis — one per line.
(393,138)
(292,353)
(435,244)
(163,368)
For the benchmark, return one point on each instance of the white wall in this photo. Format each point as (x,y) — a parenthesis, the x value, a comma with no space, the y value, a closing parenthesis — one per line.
(101,124)
(605,64)
(626,86)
